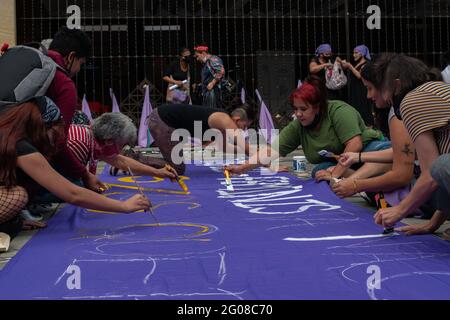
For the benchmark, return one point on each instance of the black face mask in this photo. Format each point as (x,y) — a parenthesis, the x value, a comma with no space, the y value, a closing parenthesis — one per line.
(327,59)
(187,59)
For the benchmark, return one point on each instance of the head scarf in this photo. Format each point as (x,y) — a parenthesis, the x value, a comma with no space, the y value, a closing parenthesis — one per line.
(364,51)
(323,48)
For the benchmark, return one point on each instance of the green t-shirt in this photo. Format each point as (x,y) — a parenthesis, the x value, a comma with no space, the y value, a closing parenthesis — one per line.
(342,123)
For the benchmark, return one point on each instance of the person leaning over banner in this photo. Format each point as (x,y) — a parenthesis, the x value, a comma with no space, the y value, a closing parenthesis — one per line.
(321,125)
(424,106)
(69,50)
(104,140)
(390,171)
(164,120)
(28,135)
(213,72)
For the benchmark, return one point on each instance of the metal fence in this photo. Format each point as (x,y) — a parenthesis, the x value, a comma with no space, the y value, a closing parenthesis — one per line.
(134,40)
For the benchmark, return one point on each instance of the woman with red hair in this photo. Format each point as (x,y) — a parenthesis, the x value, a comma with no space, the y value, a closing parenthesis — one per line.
(321,124)
(28,133)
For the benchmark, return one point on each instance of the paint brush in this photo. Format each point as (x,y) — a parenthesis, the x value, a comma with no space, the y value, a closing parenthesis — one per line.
(328,154)
(177,179)
(228,181)
(141,191)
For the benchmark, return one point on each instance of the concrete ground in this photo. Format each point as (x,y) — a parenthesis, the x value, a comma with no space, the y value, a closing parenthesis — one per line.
(21,240)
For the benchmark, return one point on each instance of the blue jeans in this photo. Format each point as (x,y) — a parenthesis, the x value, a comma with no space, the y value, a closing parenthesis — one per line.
(376,145)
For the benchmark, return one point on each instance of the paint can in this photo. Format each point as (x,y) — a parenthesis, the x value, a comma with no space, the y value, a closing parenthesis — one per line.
(300,164)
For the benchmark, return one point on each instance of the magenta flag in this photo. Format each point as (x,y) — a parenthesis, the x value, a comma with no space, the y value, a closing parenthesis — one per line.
(145,139)
(115,105)
(85,108)
(265,121)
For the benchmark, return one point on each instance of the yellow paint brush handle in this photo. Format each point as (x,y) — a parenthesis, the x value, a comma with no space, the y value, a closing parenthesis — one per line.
(227,175)
(183,186)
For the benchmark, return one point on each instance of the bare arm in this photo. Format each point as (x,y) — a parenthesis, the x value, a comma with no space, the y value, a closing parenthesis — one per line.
(170,80)
(353,145)
(125,163)
(427,152)
(316,68)
(225,124)
(37,167)
(403,167)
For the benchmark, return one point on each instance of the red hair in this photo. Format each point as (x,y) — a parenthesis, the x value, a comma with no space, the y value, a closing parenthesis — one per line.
(18,123)
(314,92)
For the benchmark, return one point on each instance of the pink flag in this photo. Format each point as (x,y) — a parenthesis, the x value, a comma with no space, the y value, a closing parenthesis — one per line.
(86,109)
(265,121)
(115,105)
(243,95)
(145,139)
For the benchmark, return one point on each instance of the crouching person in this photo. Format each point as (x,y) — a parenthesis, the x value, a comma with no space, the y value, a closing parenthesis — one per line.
(27,142)
(109,134)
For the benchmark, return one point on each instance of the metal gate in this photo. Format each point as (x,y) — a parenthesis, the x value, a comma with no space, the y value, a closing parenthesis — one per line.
(134,40)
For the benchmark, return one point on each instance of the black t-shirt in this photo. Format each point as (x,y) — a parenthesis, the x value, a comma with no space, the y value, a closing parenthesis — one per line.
(23,148)
(183,116)
(175,71)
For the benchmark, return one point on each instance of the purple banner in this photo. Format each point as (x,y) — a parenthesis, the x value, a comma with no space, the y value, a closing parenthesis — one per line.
(274,237)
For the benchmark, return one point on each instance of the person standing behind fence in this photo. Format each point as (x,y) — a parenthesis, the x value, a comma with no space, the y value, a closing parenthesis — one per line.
(358,92)
(322,62)
(212,74)
(178,74)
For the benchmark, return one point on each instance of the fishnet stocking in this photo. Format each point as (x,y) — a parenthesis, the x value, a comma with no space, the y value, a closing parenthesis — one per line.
(11,202)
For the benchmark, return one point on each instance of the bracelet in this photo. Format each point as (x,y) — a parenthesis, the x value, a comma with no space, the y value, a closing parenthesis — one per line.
(355,186)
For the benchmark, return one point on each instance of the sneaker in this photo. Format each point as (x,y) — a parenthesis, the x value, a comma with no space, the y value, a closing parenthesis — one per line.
(26,215)
(40,209)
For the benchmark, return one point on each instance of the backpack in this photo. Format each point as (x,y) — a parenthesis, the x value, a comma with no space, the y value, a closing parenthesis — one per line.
(335,78)
(26,73)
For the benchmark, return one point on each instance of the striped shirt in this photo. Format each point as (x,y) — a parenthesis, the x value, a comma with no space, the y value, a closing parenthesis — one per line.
(81,143)
(427,108)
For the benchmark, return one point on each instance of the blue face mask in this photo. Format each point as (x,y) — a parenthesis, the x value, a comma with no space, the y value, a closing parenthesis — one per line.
(49,111)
